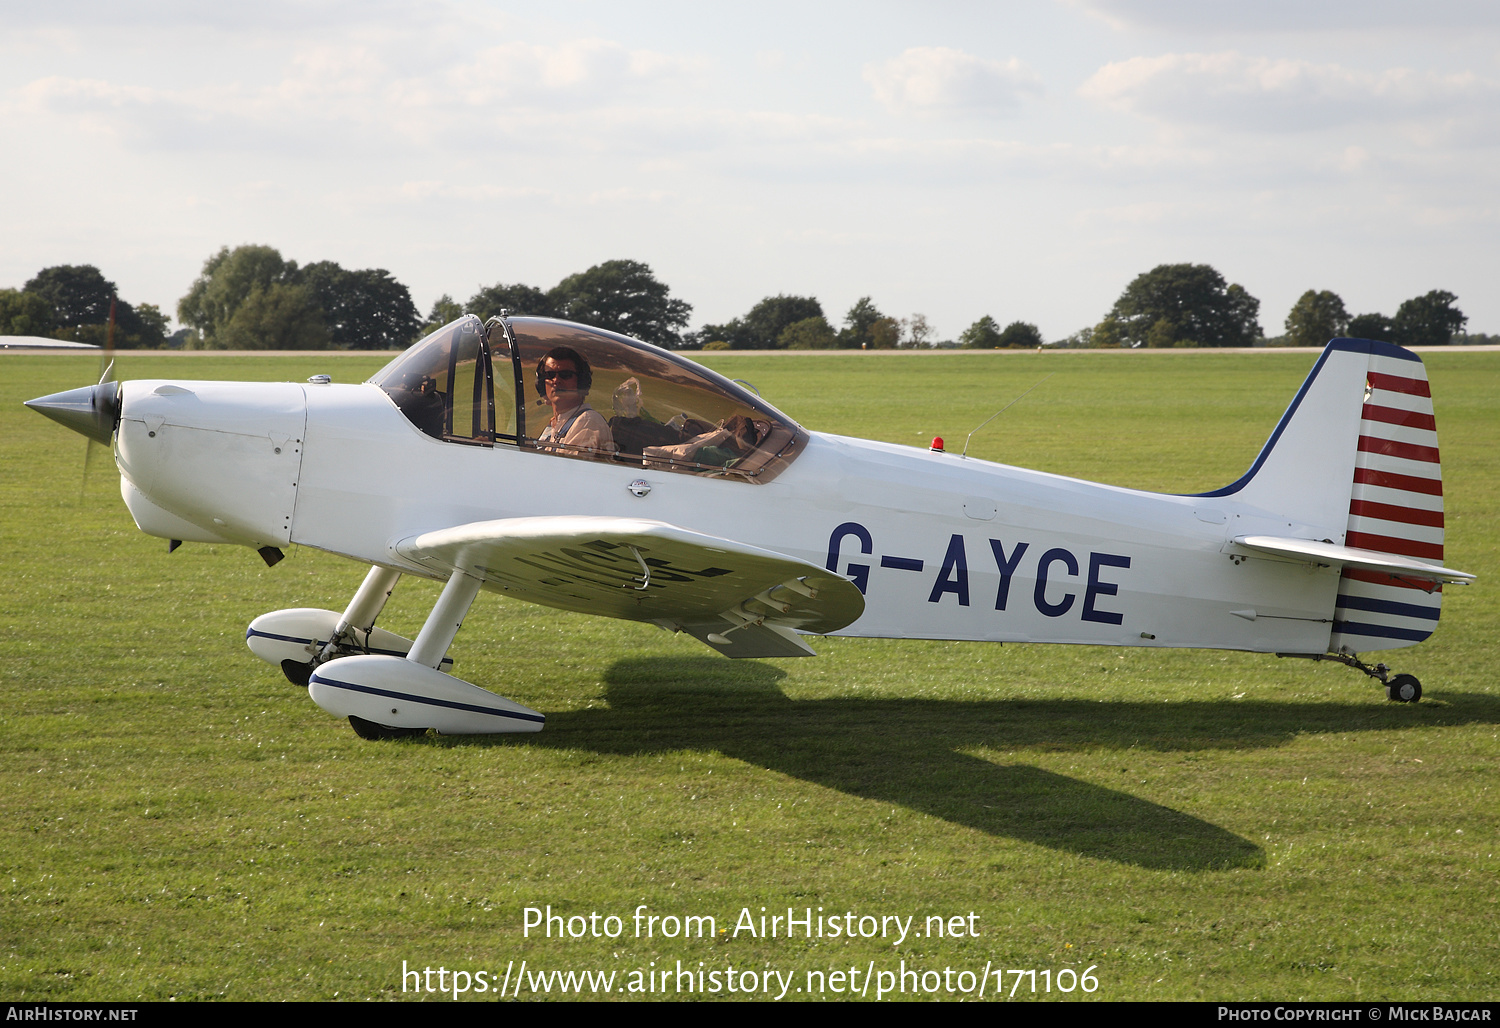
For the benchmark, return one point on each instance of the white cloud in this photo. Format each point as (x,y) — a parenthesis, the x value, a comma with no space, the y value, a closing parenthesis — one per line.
(420,135)
(1234,91)
(169,15)
(350,98)
(1294,15)
(575,73)
(931,79)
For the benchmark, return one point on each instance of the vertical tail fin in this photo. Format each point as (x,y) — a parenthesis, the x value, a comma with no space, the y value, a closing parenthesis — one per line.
(1354,461)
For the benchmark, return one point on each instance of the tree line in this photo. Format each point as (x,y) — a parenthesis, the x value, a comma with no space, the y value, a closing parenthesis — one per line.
(1431,319)
(1172,305)
(1192,305)
(250,297)
(72,302)
(784,322)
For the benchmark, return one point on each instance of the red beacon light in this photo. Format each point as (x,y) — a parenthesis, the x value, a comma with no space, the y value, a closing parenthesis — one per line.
(937,444)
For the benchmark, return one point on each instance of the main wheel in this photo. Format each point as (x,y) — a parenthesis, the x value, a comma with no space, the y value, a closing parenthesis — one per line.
(370,730)
(1403,689)
(297,672)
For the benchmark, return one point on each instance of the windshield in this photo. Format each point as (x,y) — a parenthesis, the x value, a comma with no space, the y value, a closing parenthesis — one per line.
(636,403)
(574,391)
(442,384)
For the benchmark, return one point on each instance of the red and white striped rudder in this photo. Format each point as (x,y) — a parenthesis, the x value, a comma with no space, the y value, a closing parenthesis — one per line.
(1395,507)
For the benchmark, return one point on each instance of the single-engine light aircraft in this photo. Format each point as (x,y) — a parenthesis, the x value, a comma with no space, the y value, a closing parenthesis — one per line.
(580,469)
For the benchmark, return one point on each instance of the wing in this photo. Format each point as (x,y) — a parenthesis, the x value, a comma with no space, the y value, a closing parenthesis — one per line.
(741,600)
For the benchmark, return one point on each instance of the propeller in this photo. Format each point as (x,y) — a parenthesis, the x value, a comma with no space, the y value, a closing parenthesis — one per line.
(91,411)
(107,374)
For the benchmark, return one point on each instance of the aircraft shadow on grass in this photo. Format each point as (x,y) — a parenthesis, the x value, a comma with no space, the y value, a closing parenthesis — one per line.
(907,752)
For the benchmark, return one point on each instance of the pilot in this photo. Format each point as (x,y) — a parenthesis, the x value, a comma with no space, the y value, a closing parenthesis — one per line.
(562,380)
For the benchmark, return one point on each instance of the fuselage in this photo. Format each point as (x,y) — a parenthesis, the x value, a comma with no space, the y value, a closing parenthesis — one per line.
(941,546)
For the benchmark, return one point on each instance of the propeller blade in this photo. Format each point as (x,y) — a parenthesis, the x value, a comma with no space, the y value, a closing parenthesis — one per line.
(107,362)
(88,458)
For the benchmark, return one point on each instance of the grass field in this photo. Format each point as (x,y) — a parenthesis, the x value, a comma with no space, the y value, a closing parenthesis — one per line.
(180,822)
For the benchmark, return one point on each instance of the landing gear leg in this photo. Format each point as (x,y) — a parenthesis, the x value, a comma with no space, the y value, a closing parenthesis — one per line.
(1398,688)
(446,619)
(359,617)
(407,691)
(431,646)
(364,608)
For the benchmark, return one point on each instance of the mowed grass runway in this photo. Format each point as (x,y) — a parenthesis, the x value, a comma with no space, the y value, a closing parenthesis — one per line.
(182,823)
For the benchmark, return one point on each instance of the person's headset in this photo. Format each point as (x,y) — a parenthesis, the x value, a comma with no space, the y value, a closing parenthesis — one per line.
(585,377)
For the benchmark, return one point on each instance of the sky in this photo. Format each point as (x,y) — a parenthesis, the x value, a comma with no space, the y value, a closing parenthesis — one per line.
(1021,160)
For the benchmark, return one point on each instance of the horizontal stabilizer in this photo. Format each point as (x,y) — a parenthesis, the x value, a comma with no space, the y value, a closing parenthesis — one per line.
(1334,555)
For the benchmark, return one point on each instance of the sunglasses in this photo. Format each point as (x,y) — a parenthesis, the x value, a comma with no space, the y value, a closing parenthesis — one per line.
(561,374)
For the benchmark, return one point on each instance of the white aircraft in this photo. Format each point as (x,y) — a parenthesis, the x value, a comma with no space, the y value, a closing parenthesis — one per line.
(474,459)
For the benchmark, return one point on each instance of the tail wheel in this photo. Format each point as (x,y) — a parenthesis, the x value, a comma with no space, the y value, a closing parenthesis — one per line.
(1403,689)
(370,730)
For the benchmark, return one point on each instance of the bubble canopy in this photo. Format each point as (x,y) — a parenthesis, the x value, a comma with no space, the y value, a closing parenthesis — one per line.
(478,384)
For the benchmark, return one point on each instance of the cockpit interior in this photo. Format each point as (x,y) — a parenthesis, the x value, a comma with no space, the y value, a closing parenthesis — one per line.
(480,384)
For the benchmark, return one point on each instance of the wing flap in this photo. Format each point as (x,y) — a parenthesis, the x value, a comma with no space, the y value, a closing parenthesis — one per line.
(750,639)
(643,570)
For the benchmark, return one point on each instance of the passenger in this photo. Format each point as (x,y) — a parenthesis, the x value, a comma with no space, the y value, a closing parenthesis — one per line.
(563,379)
(718,447)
